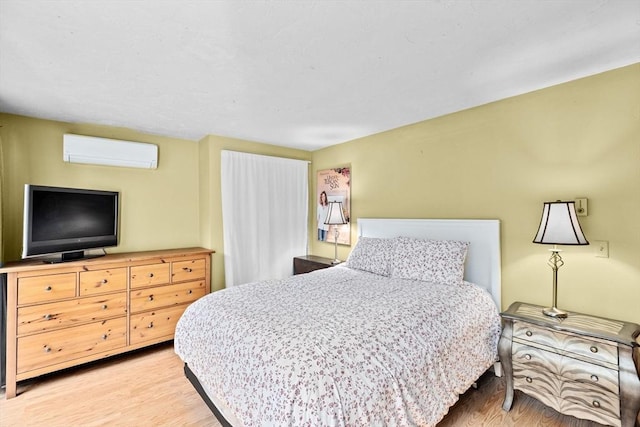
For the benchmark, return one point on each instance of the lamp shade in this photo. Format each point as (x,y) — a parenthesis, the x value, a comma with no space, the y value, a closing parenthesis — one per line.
(335,215)
(559,225)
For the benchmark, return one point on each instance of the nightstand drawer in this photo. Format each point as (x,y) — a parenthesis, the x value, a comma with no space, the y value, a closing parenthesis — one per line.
(536,359)
(309,263)
(589,348)
(568,397)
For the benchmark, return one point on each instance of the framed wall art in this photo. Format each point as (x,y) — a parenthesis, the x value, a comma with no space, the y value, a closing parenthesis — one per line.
(333,185)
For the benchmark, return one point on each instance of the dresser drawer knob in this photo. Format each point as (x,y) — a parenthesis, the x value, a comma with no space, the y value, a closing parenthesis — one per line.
(529,380)
(150,297)
(150,325)
(47,349)
(187,269)
(104,281)
(593,349)
(527,356)
(594,378)
(528,333)
(47,317)
(150,274)
(104,336)
(596,404)
(48,288)
(190,292)
(104,306)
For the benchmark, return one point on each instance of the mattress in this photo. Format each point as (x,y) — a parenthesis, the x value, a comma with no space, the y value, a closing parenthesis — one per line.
(339,347)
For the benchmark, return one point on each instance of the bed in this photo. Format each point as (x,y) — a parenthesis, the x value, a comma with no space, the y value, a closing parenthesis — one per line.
(391,337)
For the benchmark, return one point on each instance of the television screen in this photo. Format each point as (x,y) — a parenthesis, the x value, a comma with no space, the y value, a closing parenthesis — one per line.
(68,220)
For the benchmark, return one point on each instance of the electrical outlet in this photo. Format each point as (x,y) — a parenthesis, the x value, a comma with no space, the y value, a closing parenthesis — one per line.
(601,248)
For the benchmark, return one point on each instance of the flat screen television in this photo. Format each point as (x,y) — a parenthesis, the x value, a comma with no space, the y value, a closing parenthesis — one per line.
(67,221)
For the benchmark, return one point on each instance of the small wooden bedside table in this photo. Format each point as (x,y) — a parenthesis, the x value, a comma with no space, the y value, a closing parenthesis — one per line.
(308,263)
(581,366)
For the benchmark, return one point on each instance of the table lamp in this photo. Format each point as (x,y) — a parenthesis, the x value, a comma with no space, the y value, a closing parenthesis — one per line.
(558,226)
(335,217)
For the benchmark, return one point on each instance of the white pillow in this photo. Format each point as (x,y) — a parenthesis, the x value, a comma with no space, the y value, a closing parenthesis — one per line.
(439,261)
(371,254)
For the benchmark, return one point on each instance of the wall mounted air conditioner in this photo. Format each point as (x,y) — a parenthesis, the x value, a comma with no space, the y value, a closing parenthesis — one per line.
(110,152)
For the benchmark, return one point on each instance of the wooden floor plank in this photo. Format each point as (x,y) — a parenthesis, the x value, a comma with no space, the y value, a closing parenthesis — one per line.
(148,388)
(144,388)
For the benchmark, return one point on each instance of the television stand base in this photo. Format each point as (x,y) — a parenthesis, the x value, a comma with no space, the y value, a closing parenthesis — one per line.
(72,256)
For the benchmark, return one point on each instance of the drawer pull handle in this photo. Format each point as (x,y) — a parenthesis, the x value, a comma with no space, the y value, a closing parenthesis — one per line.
(529,380)
(47,349)
(594,378)
(190,292)
(104,281)
(527,356)
(104,336)
(150,297)
(528,333)
(150,325)
(104,306)
(47,317)
(187,269)
(150,274)
(48,288)
(593,349)
(596,404)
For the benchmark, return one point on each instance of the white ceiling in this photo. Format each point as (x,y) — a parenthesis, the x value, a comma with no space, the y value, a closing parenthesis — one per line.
(305,74)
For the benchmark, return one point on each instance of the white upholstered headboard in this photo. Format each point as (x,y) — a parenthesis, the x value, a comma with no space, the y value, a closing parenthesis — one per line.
(482,265)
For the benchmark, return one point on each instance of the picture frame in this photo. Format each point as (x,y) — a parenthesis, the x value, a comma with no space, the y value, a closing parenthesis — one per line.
(333,185)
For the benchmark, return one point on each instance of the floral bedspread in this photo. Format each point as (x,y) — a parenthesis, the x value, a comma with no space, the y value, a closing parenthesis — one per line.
(339,347)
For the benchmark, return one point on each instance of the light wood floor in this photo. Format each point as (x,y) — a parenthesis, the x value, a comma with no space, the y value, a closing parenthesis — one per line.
(148,388)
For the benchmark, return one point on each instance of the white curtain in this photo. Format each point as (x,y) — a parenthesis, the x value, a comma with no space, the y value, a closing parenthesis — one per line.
(264,213)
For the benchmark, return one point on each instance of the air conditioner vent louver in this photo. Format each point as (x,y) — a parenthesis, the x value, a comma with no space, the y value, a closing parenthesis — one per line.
(109,152)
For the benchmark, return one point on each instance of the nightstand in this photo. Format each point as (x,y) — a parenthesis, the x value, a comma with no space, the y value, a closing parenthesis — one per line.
(309,263)
(581,366)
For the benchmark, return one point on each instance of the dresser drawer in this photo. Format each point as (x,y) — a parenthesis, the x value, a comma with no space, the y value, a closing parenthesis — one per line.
(165,296)
(103,281)
(41,350)
(37,318)
(154,325)
(591,348)
(150,275)
(188,270)
(46,288)
(536,359)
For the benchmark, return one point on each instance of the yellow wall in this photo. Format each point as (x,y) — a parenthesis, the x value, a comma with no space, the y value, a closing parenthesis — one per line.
(211,196)
(159,208)
(503,160)
(176,205)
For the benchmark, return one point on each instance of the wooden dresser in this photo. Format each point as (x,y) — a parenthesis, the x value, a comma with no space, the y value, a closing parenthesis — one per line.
(62,315)
(583,366)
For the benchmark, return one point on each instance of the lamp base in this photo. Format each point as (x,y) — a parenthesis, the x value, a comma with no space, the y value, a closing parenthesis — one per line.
(555,312)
